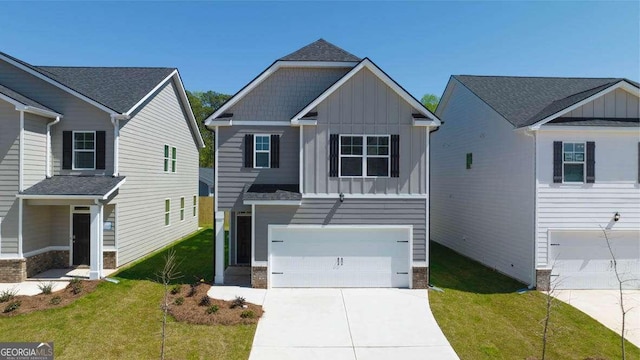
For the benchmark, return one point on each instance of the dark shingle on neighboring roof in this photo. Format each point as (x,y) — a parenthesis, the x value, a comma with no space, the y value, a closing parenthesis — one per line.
(75,185)
(320,50)
(206,175)
(524,101)
(614,122)
(118,88)
(271,192)
(22,99)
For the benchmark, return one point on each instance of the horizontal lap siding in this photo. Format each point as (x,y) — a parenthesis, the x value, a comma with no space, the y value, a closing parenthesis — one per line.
(233,176)
(9,153)
(486,212)
(108,236)
(350,212)
(60,222)
(141,199)
(35,151)
(588,206)
(36,227)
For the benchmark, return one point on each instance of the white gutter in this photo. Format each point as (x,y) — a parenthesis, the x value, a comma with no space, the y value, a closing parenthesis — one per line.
(215,170)
(49,150)
(115,121)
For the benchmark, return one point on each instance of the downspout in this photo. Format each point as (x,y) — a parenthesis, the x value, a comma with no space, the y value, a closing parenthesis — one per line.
(115,121)
(20,180)
(533,133)
(49,150)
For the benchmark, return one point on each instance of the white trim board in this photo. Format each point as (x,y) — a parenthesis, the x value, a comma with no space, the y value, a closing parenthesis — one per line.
(46,249)
(272,202)
(364,196)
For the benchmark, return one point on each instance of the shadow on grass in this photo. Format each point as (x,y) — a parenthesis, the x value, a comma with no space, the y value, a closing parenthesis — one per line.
(194,256)
(454,271)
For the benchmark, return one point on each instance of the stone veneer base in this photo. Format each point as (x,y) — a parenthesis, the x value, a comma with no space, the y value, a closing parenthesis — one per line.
(420,277)
(13,270)
(259,277)
(543,279)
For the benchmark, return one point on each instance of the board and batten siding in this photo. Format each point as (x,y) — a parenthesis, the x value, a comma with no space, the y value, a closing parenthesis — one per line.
(9,159)
(486,212)
(284,93)
(588,206)
(141,200)
(233,176)
(615,104)
(364,105)
(35,149)
(350,212)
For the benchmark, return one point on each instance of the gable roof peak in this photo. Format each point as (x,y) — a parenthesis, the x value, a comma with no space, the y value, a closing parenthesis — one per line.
(320,50)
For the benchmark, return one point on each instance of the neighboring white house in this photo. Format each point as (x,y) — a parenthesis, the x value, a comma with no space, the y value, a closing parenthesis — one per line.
(526,171)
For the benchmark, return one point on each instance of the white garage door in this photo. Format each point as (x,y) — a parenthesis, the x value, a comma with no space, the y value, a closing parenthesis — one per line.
(583,260)
(333,256)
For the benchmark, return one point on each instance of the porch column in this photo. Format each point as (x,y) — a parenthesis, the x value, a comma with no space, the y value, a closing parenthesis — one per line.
(95,264)
(219,244)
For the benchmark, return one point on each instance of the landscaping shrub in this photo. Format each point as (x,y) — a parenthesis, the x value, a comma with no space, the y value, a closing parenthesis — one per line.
(179,301)
(213,309)
(205,301)
(192,290)
(176,289)
(76,286)
(12,306)
(46,288)
(55,300)
(247,314)
(239,301)
(6,295)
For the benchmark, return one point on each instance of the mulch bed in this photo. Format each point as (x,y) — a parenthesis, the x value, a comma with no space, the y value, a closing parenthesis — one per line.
(54,300)
(194,310)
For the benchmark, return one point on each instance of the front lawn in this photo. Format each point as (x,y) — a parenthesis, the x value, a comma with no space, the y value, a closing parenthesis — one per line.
(483,317)
(122,321)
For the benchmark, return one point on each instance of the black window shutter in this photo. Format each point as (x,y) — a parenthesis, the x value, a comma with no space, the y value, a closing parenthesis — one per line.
(591,162)
(67,149)
(275,151)
(395,155)
(100,150)
(248,150)
(557,161)
(333,155)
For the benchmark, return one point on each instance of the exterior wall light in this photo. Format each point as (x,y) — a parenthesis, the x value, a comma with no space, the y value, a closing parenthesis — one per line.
(342,198)
(616,216)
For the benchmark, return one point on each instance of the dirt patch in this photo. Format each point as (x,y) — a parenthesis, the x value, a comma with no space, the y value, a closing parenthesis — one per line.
(191,308)
(60,298)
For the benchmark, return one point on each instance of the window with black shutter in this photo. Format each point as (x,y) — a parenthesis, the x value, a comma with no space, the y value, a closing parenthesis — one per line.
(333,155)
(67,149)
(248,150)
(275,151)
(574,162)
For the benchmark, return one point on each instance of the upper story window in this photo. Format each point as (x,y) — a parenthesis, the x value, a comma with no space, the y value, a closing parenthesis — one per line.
(170,158)
(84,150)
(364,155)
(167,212)
(573,162)
(262,151)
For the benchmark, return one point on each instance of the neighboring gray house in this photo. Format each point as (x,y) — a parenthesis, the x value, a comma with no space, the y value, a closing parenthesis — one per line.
(322,163)
(98,166)
(205,183)
(529,168)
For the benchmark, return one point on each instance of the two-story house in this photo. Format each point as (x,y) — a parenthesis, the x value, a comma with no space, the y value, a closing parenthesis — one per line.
(98,166)
(322,163)
(531,170)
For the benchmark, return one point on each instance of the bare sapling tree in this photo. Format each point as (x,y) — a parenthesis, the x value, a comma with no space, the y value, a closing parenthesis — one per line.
(549,304)
(167,275)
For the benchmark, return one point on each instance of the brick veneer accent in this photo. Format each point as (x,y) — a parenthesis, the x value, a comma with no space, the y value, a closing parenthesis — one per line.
(543,280)
(48,260)
(12,271)
(420,277)
(109,260)
(259,277)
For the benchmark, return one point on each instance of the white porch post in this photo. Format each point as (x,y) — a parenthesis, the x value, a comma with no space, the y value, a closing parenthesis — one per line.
(219,244)
(95,268)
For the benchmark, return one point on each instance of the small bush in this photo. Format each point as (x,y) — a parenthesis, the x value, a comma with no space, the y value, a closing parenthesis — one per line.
(76,286)
(247,314)
(179,301)
(239,301)
(6,295)
(176,289)
(46,288)
(12,306)
(192,290)
(55,300)
(205,301)
(213,309)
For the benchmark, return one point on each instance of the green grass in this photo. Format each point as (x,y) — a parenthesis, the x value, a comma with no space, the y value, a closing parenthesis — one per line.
(484,318)
(122,321)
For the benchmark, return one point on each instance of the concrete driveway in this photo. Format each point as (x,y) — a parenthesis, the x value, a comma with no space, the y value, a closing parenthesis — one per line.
(604,306)
(348,324)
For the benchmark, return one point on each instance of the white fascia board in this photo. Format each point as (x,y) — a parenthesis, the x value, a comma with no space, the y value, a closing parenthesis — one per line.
(59,197)
(106,196)
(422,122)
(273,202)
(316,64)
(619,85)
(364,196)
(303,122)
(57,84)
(217,122)
(341,227)
(554,128)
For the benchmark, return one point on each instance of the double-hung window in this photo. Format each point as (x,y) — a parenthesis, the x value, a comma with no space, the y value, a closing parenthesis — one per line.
(167,212)
(170,158)
(195,205)
(84,150)
(262,151)
(181,208)
(573,162)
(364,155)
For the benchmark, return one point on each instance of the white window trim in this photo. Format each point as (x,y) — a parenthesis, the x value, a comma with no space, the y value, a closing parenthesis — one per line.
(195,205)
(73,149)
(167,212)
(183,203)
(583,162)
(255,151)
(364,156)
(166,159)
(173,162)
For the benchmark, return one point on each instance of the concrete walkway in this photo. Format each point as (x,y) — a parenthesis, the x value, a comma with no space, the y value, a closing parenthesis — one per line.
(348,324)
(604,306)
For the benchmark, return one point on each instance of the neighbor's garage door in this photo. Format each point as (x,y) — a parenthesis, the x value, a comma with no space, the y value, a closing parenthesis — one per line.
(339,256)
(583,260)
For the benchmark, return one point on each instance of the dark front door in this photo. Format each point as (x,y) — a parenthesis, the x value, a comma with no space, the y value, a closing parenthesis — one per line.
(243,239)
(81,237)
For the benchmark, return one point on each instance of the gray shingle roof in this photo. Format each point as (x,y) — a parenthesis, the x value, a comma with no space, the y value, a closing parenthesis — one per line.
(118,88)
(22,99)
(523,101)
(75,185)
(320,50)
(271,192)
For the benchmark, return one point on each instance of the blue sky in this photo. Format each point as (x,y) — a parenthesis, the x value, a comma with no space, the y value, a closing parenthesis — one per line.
(222,45)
